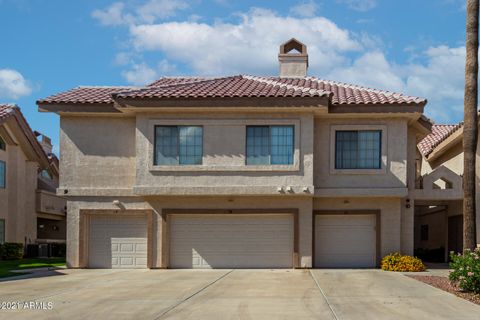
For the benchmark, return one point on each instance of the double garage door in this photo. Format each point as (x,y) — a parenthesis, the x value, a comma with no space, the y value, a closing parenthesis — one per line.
(231,241)
(234,241)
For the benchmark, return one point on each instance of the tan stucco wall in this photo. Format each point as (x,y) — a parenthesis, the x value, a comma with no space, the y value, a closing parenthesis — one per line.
(224,154)
(17,200)
(97,152)
(395,173)
(101,154)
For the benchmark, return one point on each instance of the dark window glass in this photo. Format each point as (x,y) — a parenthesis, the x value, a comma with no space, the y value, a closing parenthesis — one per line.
(3,145)
(270,145)
(178,145)
(358,149)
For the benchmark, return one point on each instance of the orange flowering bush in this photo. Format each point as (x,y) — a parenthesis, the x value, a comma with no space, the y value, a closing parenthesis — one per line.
(400,263)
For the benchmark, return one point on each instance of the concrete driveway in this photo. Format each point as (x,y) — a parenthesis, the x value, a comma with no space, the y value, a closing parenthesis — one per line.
(232,294)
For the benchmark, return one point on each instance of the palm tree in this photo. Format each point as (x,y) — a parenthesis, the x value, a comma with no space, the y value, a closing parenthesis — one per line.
(470,129)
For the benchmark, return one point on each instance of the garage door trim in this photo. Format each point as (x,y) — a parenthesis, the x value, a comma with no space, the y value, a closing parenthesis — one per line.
(166,232)
(377,214)
(84,231)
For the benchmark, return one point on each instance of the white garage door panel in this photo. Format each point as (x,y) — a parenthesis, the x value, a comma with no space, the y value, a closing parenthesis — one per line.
(231,241)
(345,241)
(118,242)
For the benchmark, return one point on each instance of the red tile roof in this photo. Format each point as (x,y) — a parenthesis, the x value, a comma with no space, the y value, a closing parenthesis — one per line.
(10,110)
(85,95)
(6,110)
(228,87)
(235,86)
(440,132)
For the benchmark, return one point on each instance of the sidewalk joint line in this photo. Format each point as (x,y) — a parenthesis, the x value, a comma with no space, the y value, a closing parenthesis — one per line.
(323,294)
(192,295)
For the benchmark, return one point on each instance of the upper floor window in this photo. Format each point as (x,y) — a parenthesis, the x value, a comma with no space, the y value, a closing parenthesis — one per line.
(3,176)
(358,149)
(270,145)
(3,145)
(178,145)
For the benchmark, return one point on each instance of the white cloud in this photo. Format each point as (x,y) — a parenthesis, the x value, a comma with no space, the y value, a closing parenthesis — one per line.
(249,46)
(113,15)
(359,5)
(120,13)
(140,74)
(372,70)
(166,68)
(13,85)
(305,9)
(160,9)
(440,78)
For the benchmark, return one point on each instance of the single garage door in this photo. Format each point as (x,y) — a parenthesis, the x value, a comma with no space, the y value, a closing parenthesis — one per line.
(231,241)
(118,242)
(345,241)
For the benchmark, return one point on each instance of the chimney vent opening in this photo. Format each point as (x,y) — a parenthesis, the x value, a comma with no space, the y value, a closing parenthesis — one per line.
(293,59)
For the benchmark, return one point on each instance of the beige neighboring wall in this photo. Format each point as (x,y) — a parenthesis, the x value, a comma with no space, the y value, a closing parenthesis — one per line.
(17,200)
(452,159)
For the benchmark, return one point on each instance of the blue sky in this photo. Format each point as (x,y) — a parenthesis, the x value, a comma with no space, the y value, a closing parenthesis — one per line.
(416,47)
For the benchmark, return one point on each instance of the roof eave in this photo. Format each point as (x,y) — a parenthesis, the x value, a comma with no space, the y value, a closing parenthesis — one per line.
(377,108)
(445,145)
(29,142)
(216,102)
(63,107)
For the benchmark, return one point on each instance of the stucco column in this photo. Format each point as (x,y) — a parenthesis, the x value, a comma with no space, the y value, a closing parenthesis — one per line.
(73,230)
(407,226)
(305,233)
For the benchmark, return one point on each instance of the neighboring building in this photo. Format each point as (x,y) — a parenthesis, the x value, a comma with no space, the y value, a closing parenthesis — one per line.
(28,179)
(439,218)
(238,172)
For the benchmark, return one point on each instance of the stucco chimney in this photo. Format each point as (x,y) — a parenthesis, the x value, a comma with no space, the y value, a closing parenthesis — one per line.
(293,59)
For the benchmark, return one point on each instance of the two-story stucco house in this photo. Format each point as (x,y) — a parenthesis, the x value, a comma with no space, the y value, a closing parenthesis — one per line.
(30,210)
(241,171)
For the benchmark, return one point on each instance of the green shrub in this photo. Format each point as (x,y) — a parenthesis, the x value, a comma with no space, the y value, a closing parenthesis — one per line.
(1,251)
(466,270)
(12,251)
(397,262)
